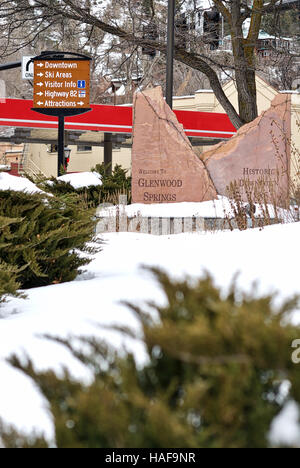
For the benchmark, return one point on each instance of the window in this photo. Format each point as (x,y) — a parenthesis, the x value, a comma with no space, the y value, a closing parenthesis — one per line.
(52,148)
(83,148)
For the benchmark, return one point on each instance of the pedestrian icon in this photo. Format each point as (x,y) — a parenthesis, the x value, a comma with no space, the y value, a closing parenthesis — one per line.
(81,84)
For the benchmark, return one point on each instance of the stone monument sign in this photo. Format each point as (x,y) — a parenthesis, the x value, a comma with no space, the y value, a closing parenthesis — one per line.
(165,168)
(257,157)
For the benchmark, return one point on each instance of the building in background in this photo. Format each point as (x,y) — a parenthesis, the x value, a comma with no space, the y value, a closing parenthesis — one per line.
(10,153)
(82,158)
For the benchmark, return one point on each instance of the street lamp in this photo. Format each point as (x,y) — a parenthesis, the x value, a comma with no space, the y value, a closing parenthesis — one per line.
(170,52)
(67,154)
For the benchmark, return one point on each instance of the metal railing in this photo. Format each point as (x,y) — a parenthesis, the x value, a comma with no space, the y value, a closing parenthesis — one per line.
(28,166)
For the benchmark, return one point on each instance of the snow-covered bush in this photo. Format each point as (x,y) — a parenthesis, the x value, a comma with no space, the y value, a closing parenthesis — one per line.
(92,188)
(214,376)
(42,238)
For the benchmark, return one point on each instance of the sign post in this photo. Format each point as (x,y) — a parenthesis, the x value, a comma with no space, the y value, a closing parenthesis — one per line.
(170,52)
(62,89)
(61,145)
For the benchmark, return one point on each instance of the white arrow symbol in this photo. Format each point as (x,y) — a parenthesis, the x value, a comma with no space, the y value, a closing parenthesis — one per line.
(40,94)
(40,84)
(40,64)
(39,103)
(40,74)
(80,103)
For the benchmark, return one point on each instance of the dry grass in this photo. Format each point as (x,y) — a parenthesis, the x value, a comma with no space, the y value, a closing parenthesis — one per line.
(114,198)
(256,210)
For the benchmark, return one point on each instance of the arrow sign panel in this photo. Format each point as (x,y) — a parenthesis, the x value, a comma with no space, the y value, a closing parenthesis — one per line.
(65,83)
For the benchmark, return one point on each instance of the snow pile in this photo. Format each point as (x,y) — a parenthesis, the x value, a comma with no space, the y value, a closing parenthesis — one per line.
(208,209)
(285,429)
(92,304)
(17,184)
(82,179)
(220,208)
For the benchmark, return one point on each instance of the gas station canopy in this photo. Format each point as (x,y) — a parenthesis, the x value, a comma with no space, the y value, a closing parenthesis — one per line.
(23,125)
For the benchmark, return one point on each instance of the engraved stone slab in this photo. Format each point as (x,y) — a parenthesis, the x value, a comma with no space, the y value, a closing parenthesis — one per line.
(165,168)
(257,157)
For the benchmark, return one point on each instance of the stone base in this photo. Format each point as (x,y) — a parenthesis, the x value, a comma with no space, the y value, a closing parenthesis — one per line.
(172,226)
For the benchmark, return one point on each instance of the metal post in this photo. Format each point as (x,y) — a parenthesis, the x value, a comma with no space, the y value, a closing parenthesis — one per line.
(9,66)
(108,153)
(61,144)
(170,52)
(223,32)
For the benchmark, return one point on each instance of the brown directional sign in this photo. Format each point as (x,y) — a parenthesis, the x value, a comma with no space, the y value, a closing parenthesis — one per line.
(61,84)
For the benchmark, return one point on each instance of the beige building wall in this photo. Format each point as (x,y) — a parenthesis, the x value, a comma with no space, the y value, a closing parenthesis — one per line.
(265,95)
(206,101)
(40,157)
(10,153)
(203,100)
(185,103)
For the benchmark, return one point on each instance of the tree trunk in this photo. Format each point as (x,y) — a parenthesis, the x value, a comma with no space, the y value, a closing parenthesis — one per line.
(244,62)
(246,89)
(195,62)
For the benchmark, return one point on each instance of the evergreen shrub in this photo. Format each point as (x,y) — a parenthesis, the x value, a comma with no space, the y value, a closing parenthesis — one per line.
(112,186)
(8,273)
(214,376)
(42,239)
(8,281)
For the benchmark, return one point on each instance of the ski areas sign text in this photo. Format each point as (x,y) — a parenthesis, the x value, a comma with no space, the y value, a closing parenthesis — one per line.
(61,84)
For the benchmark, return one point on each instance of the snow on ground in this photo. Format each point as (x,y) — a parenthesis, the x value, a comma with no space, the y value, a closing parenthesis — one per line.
(220,208)
(285,429)
(18,184)
(213,208)
(93,302)
(82,179)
